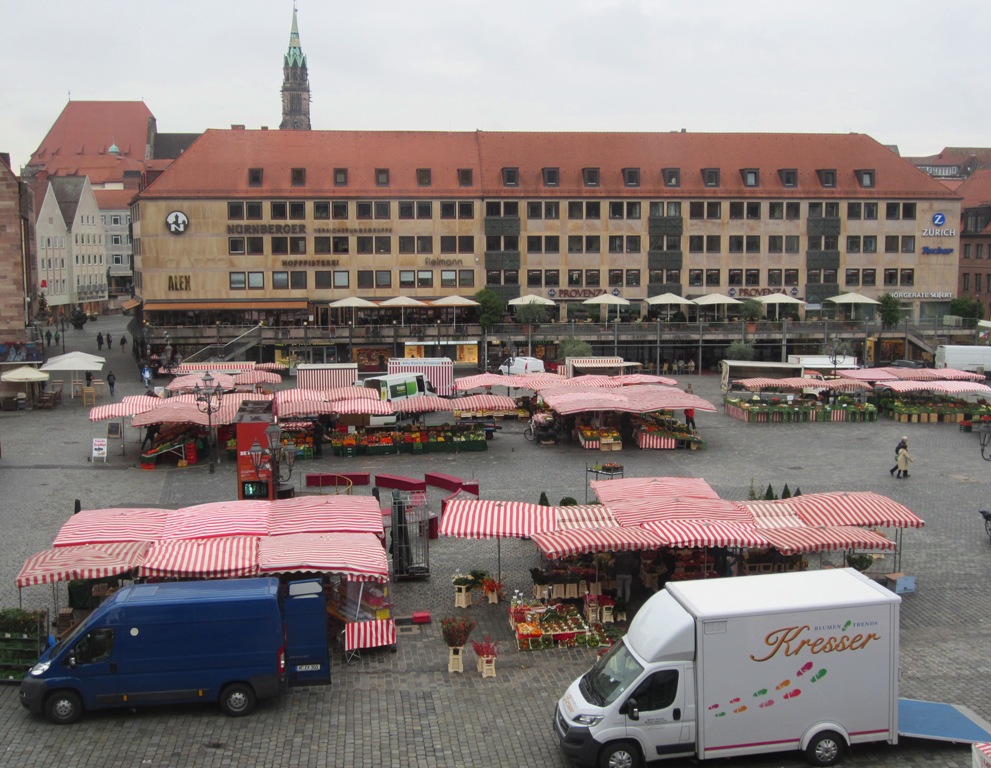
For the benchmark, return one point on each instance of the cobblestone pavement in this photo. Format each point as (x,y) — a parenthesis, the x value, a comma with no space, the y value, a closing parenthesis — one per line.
(403,708)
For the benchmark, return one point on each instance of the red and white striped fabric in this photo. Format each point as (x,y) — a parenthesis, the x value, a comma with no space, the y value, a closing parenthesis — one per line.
(423,404)
(484,380)
(130,405)
(351,393)
(628,379)
(189,383)
(103,526)
(792,541)
(537,381)
(584,516)
(371,407)
(483,403)
(185,368)
(943,387)
(853,508)
(981,754)
(217,518)
(356,556)
(758,383)
(326,514)
(699,533)
(773,514)
(256,377)
(654,441)
(477,519)
(575,542)
(797,384)
(867,374)
(438,371)
(679,508)
(87,561)
(369,634)
(272,367)
(182,409)
(341,375)
(636,488)
(301,408)
(951,374)
(298,395)
(228,557)
(594,380)
(639,398)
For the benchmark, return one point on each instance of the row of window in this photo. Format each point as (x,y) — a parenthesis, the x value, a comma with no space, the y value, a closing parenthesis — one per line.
(342,245)
(978,282)
(116,220)
(978,250)
(364,279)
(591,177)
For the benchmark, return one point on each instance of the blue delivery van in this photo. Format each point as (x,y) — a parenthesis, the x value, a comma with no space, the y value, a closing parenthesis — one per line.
(169,643)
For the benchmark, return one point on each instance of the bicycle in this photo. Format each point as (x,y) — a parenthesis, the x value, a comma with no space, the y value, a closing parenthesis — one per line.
(530,431)
(987,522)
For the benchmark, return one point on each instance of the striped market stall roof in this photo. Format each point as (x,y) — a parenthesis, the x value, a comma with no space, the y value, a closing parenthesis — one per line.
(356,556)
(943,387)
(190,382)
(635,488)
(201,368)
(584,516)
(483,403)
(422,404)
(697,533)
(300,408)
(645,378)
(477,519)
(217,518)
(326,514)
(256,377)
(86,561)
(664,508)
(182,409)
(798,384)
(574,542)
(640,398)
(867,374)
(484,380)
(328,376)
(773,514)
(853,508)
(934,374)
(351,393)
(370,407)
(297,395)
(130,405)
(439,371)
(793,541)
(228,557)
(103,526)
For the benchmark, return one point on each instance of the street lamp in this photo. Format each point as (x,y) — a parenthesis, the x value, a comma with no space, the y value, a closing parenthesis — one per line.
(208,400)
(282,461)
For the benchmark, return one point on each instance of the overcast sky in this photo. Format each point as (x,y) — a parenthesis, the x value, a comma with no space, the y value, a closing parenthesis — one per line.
(903,71)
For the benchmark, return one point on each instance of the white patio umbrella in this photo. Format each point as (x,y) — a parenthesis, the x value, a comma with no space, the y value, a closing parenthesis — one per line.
(668,299)
(355,303)
(25,374)
(402,302)
(778,299)
(74,361)
(714,299)
(531,298)
(851,299)
(455,302)
(610,300)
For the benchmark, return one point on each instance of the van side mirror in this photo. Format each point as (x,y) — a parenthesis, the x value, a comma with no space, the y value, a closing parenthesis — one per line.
(633,709)
(71,661)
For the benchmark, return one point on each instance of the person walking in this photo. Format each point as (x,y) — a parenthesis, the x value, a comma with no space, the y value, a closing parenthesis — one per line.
(903,461)
(690,419)
(110,343)
(625,563)
(48,337)
(150,434)
(111,381)
(99,341)
(123,343)
(58,336)
(903,443)
(89,378)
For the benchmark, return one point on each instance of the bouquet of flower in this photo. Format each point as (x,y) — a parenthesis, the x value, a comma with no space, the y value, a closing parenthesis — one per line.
(486,648)
(455,630)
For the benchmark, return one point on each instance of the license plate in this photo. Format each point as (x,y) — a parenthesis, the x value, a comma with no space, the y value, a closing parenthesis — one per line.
(308,668)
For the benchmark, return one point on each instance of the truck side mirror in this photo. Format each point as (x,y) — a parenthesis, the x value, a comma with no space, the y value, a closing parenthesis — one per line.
(633,709)
(71,661)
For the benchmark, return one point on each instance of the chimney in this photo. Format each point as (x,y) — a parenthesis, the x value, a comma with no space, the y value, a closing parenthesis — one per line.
(5,158)
(132,179)
(237,126)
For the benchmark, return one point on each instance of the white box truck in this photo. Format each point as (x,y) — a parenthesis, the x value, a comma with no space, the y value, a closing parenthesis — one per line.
(964,357)
(741,666)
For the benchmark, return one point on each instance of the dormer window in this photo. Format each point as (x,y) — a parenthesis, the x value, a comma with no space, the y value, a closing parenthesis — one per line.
(788,176)
(590,177)
(423,177)
(381,177)
(552,177)
(298,177)
(510,177)
(827,177)
(255,176)
(710,177)
(465,177)
(672,177)
(751,177)
(340,177)
(631,177)
(866,178)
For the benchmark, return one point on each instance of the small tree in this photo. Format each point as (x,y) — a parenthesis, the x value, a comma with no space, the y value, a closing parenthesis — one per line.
(890,310)
(967,308)
(568,501)
(490,308)
(752,493)
(679,317)
(769,493)
(751,310)
(740,350)
(572,347)
(544,501)
(530,314)
(786,492)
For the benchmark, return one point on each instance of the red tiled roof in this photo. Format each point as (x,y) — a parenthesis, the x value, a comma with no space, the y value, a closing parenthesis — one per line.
(90,127)
(99,168)
(114,199)
(954,156)
(217,163)
(976,190)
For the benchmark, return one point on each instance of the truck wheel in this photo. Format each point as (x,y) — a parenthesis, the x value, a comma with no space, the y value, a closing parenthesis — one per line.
(622,754)
(63,707)
(237,700)
(825,749)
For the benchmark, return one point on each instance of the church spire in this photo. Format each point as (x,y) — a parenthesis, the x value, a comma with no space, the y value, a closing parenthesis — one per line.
(295,84)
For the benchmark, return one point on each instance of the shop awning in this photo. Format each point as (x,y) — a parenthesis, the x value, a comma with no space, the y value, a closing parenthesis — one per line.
(697,533)
(853,508)
(86,561)
(356,556)
(199,306)
(103,526)
(130,405)
(351,393)
(942,387)
(793,541)
(634,488)
(230,557)
(576,542)
(483,403)
(184,368)
(773,514)
(127,304)
(217,518)
(477,519)
(584,516)
(666,508)
(326,514)
(484,380)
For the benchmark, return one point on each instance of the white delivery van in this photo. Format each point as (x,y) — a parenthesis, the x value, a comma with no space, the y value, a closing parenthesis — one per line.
(740,666)
(394,387)
(964,357)
(520,365)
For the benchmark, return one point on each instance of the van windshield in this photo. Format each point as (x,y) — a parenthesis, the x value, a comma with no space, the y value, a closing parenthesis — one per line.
(611,675)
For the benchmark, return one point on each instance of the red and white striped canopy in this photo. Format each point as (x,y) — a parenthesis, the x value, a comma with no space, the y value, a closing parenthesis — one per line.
(635,488)
(326,514)
(478,519)
(593,380)
(341,375)
(218,518)
(773,514)
(256,376)
(189,382)
(201,368)
(102,526)
(283,396)
(584,516)
(952,374)
(356,556)
(790,541)
(611,539)
(853,508)
(483,403)
(800,383)
(485,380)
(867,374)
(537,381)
(300,408)
(423,404)
(627,379)
(182,409)
(129,405)
(86,561)
(699,533)
(639,398)
(942,387)
(228,557)
(272,367)
(679,508)
(351,393)
(371,407)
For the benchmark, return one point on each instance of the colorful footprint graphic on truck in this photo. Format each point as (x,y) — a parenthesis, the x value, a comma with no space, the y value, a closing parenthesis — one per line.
(787,692)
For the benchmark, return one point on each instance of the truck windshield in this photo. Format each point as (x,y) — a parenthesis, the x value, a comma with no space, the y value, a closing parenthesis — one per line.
(612,674)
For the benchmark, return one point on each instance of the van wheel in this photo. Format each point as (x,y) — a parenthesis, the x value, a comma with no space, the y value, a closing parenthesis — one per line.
(825,749)
(237,700)
(63,707)
(622,754)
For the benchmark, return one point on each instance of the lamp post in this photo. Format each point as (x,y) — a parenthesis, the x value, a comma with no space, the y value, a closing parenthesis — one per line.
(282,461)
(208,400)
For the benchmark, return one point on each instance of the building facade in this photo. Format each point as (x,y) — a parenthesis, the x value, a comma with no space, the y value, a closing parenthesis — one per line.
(17,304)
(975,240)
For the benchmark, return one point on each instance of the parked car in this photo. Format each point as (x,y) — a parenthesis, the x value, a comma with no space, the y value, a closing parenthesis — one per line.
(516,366)
(906,364)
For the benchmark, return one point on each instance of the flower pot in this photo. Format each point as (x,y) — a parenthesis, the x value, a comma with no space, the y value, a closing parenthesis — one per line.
(487,666)
(455,660)
(493,596)
(462,597)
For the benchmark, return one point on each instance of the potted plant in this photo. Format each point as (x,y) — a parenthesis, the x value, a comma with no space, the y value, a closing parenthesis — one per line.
(455,631)
(463,585)
(492,588)
(485,655)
